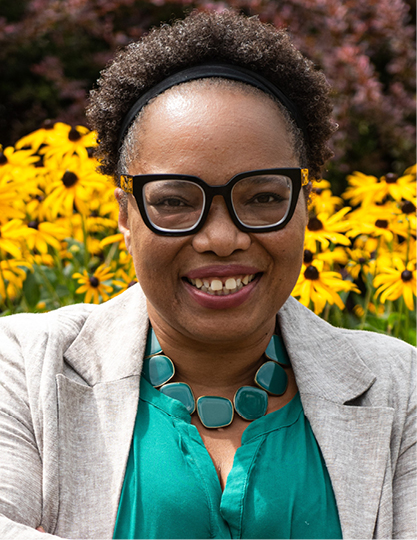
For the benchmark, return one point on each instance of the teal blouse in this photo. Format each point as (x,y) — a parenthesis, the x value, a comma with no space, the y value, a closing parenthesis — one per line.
(278,487)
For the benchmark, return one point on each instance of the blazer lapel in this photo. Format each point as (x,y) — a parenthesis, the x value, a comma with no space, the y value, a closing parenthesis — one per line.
(96,419)
(354,440)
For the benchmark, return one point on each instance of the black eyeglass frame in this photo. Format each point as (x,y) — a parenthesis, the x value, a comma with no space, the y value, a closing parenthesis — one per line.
(133,184)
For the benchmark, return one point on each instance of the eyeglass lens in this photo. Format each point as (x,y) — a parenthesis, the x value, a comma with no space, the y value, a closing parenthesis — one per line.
(177,205)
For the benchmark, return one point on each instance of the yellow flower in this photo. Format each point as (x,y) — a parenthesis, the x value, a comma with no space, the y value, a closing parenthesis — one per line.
(94,286)
(45,234)
(72,182)
(321,287)
(16,163)
(403,187)
(373,220)
(7,200)
(11,235)
(322,198)
(324,229)
(11,278)
(329,258)
(362,189)
(38,137)
(392,283)
(66,140)
(358,262)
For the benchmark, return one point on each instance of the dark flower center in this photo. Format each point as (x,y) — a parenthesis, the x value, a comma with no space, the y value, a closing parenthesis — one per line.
(406,275)
(311,273)
(3,159)
(39,163)
(308,256)
(132,283)
(33,224)
(48,124)
(69,179)
(361,260)
(94,282)
(318,191)
(391,178)
(74,135)
(381,223)
(314,224)
(408,207)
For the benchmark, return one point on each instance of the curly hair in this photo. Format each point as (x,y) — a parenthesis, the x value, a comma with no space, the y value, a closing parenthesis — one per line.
(204,37)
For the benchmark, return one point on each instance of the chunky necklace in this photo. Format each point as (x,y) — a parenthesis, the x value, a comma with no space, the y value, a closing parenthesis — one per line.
(250,402)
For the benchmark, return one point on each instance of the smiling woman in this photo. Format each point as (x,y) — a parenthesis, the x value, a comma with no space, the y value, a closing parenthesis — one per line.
(205,402)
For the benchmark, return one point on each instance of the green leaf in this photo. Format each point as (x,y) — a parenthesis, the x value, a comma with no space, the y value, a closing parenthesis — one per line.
(31,290)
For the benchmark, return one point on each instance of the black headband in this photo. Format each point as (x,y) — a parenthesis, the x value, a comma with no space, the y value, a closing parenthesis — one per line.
(204,71)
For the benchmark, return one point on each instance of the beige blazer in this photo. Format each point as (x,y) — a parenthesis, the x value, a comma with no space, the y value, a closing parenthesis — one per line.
(69,388)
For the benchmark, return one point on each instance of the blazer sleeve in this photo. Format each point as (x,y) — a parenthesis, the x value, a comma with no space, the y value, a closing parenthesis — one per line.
(20,458)
(405,475)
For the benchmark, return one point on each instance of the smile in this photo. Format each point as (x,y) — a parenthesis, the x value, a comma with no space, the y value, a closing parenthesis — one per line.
(221,286)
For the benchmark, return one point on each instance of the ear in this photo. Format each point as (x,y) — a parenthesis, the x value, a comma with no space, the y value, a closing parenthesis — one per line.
(124,227)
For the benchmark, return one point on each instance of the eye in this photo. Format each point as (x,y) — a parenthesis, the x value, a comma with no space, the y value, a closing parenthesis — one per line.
(265,198)
(170,202)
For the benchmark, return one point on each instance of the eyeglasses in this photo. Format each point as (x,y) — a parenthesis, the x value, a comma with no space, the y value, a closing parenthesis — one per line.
(177,204)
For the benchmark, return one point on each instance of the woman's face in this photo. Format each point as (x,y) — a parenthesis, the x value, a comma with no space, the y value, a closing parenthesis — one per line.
(214,133)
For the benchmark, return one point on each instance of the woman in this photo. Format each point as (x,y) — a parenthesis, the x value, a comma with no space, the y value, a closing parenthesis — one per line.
(211,128)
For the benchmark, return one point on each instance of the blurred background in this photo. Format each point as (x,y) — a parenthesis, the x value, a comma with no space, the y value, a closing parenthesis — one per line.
(51,53)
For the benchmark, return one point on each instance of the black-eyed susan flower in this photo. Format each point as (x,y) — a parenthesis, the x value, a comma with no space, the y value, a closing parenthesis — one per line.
(325,228)
(12,277)
(358,262)
(94,286)
(318,287)
(37,138)
(72,181)
(322,198)
(16,164)
(362,189)
(398,280)
(65,140)
(45,234)
(11,236)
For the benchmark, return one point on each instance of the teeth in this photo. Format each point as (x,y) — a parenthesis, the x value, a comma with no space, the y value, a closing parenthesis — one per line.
(216,286)
(230,284)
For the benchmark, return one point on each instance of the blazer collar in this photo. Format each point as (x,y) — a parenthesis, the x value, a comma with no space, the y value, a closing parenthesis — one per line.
(318,368)
(111,344)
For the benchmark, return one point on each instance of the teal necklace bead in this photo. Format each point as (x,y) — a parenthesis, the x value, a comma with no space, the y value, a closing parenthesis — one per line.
(158,369)
(272,378)
(250,402)
(182,392)
(276,351)
(214,412)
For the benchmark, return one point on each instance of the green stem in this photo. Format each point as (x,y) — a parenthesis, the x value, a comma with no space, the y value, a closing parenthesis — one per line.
(86,258)
(369,289)
(48,284)
(398,329)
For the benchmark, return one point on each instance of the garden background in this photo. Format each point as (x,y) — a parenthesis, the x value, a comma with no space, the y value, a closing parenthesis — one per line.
(59,242)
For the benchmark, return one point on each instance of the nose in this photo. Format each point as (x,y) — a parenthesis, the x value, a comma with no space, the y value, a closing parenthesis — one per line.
(219,234)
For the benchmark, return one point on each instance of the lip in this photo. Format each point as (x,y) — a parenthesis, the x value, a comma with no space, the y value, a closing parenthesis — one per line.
(232,300)
(217,270)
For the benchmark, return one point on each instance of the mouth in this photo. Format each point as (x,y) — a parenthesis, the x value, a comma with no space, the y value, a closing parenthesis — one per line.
(222,285)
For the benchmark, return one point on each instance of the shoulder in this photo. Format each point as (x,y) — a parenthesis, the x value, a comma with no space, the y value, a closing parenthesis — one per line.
(25,329)
(389,362)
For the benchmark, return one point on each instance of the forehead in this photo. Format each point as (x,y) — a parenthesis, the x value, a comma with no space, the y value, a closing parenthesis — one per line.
(204,123)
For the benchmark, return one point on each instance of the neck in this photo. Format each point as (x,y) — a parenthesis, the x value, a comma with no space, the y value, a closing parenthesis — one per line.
(222,366)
